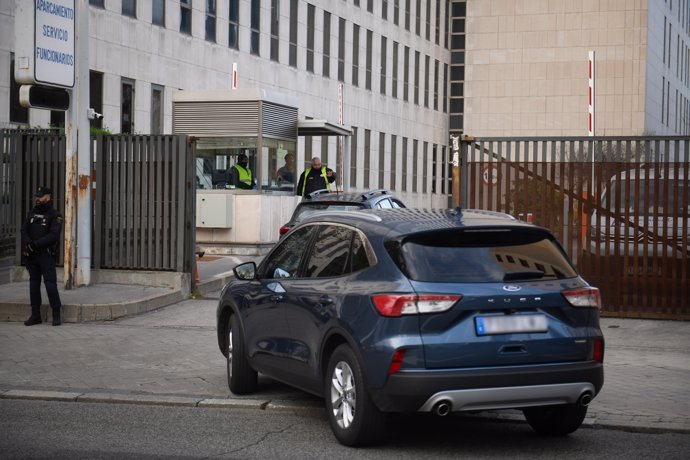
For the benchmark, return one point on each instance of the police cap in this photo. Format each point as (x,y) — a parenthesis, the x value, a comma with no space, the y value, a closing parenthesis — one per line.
(41,191)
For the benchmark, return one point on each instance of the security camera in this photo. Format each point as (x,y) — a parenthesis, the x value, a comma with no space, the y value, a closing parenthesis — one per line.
(93,115)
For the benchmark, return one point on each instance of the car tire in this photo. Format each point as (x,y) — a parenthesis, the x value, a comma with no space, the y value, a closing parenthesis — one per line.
(242,379)
(354,418)
(558,420)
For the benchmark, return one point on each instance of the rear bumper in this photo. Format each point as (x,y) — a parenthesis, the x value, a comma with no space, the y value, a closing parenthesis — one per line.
(489,388)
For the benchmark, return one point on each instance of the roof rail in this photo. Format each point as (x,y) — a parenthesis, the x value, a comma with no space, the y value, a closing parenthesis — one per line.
(316,193)
(371,193)
(324,214)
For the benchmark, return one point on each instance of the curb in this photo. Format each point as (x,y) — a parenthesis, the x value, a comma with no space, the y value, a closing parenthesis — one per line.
(217,283)
(13,311)
(163,400)
(633,424)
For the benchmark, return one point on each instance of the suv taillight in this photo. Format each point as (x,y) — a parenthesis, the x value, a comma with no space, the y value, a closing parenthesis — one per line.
(283,230)
(409,304)
(586,297)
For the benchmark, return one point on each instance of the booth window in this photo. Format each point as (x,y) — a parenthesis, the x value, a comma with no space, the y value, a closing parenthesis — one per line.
(273,168)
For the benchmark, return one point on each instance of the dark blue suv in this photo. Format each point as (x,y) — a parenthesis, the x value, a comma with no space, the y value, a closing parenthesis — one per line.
(405,310)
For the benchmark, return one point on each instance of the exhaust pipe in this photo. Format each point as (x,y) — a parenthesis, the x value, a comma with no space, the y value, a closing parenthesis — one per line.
(442,408)
(585,399)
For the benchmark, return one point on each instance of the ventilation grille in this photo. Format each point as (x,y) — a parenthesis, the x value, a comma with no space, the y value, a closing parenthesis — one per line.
(217,119)
(279,121)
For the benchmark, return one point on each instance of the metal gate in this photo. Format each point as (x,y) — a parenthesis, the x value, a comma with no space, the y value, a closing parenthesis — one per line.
(619,206)
(143,197)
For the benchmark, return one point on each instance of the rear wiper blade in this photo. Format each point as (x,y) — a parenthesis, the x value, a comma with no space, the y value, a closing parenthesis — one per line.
(523,275)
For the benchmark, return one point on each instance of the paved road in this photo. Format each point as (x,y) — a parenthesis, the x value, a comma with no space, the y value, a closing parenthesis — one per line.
(173,352)
(73,430)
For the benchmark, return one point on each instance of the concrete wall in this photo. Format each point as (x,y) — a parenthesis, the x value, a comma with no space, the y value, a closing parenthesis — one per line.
(526,66)
(254,225)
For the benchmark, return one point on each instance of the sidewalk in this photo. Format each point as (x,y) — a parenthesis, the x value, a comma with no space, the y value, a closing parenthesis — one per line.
(170,356)
(107,301)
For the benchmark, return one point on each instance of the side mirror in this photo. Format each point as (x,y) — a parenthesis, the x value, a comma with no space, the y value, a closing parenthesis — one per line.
(245,271)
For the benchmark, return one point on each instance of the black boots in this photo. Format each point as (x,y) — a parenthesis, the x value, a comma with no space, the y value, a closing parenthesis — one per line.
(35,316)
(56,317)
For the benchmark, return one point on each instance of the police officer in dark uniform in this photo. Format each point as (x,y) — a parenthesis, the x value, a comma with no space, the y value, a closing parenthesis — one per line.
(40,235)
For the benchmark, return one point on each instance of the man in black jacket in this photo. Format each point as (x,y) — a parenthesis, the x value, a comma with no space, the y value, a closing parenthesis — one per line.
(316,177)
(40,235)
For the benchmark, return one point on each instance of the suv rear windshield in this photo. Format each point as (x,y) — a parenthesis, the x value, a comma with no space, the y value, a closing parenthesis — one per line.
(481,256)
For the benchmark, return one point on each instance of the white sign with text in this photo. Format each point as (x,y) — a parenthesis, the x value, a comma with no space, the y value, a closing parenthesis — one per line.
(54,38)
(45,42)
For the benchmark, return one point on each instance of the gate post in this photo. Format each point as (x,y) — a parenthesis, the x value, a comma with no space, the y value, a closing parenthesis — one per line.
(455,146)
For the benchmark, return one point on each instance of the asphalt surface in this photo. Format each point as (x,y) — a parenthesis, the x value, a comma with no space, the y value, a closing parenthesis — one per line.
(55,430)
(170,357)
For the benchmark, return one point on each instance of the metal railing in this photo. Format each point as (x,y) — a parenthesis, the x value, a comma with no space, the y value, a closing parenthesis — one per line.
(143,197)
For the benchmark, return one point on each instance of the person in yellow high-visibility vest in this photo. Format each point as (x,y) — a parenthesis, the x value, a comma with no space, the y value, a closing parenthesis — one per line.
(316,177)
(240,174)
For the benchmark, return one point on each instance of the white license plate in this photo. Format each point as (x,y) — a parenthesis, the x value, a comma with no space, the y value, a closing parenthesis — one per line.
(510,324)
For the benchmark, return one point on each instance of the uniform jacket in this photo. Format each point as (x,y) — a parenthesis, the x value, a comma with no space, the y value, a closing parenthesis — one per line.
(312,180)
(241,177)
(42,228)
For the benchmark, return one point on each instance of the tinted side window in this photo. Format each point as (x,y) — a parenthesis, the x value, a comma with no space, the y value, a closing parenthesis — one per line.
(331,252)
(360,261)
(285,260)
(483,257)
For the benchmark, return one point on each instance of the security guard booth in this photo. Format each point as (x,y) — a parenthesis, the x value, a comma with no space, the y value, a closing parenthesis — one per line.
(263,125)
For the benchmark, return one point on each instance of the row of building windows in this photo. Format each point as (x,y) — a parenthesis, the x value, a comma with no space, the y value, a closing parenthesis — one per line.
(457,67)
(400,8)
(679,118)
(19,114)
(683,13)
(432,72)
(429,178)
(682,53)
(681,113)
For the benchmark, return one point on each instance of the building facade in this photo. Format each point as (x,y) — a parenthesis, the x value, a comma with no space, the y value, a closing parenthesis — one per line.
(402,73)
(385,60)
(526,69)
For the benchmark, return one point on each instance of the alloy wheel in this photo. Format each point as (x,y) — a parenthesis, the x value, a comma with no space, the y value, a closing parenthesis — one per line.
(343,394)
